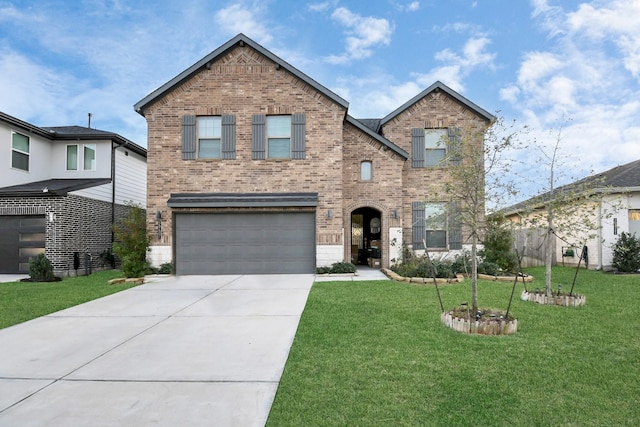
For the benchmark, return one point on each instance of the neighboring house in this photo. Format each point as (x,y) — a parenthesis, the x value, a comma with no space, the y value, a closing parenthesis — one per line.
(61,189)
(614,210)
(254,167)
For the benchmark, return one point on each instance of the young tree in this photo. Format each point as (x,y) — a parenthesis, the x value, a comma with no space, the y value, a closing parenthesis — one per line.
(132,242)
(478,174)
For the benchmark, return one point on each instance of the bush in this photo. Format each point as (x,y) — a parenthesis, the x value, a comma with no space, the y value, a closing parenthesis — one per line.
(337,268)
(41,269)
(422,267)
(489,268)
(498,245)
(132,242)
(166,268)
(626,253)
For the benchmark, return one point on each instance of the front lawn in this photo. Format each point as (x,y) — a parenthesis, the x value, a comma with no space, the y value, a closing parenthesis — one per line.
(376,354)
(22,301)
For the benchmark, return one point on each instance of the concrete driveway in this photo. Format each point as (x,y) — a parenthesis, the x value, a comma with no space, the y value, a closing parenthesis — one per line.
(178,351)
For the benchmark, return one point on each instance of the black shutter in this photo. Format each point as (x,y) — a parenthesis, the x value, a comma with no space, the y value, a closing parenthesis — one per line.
(228,137)
(455,226)
(417,148)
(298,131)
(454,146)
(417,225)
(188,137)
(258,138)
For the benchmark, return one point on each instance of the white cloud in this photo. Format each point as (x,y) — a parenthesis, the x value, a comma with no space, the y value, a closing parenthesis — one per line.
(616,23)
(459,65)
(238,18)
(363,34)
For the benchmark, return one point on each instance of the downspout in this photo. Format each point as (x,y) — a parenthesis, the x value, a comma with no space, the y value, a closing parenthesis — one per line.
(600,267)
(113,197)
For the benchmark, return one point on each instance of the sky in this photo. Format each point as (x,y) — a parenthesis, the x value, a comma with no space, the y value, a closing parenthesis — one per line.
(565,69)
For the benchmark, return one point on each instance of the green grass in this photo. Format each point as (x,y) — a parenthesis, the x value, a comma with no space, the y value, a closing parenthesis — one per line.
(376,354)
(22,301)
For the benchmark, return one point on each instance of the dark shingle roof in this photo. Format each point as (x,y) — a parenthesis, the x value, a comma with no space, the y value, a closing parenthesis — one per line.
(72,133)
(51,187)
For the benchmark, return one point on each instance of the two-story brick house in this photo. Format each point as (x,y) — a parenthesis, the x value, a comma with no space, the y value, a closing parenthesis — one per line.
(61,191)
(254,167)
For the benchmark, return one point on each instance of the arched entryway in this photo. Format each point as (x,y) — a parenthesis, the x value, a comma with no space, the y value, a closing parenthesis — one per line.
(366,237)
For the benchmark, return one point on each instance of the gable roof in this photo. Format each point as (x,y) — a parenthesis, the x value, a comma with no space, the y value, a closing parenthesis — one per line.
(619,179)
(436,87)
(381,139)
(51,187)
(241,40)
(72,133)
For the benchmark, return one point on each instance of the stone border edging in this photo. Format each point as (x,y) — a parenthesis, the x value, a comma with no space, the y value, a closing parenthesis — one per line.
(560,300)
(527,278)
(420,280)
(491,327)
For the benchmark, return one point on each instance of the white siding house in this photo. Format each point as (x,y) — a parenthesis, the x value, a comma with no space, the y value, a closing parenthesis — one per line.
(61,191)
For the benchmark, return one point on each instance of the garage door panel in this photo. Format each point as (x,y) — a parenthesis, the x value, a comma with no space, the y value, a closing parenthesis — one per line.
(21,237)
(245,243)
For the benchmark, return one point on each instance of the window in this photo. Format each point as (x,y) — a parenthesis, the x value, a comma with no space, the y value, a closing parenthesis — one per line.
(72,157)
(435,224)
(209,137)
(278,137)
(89,163)
(20,151)
(436,146)
(88,160)
(365,171)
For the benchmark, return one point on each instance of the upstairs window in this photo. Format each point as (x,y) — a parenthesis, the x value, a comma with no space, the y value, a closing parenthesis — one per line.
(279,137)
(88,160)
(435,143)
(72,157)
(366,171)
(209,137)
(435,147)
(20,146)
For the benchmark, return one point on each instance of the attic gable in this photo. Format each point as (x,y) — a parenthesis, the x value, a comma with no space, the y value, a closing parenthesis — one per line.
(228,56)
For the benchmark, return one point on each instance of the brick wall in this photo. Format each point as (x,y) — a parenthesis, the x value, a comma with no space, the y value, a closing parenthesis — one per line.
(383,192)
(436,110)
(73,224)
(244,83)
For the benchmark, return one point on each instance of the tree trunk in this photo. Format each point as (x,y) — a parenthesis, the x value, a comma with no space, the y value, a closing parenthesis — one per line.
(549,252)
(474,273)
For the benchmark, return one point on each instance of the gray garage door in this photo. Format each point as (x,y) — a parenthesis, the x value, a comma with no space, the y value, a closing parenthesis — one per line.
(21,237)
(245,243)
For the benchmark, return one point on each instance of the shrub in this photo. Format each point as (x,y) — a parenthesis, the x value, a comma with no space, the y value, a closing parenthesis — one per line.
(166,268)
(132,242)
(41,269)
(423,267)
(490,268)
(498,244)
(337,268)
(626,253)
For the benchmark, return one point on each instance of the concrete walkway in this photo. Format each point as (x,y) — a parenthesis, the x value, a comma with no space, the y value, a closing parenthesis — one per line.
(179,351)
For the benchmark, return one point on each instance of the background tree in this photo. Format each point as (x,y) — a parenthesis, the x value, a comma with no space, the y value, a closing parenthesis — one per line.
(567,212)
(132,242)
